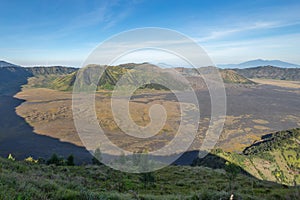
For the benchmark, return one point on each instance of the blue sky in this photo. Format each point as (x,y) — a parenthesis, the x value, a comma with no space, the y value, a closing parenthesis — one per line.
(61,32)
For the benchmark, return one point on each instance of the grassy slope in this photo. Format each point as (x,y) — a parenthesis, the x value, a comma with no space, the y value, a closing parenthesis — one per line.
(230,76)
(108,80)
(21,180)
(113,73)
(275,158)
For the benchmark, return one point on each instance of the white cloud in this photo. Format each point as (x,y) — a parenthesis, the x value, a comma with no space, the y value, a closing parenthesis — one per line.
(104,16)
(219,34)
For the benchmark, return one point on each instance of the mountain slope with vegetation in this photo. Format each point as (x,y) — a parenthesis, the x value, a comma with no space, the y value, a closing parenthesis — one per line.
(230,76)
(12,76)
(53,70)
(112,74)
(43,77)
(63,78)
(276,157)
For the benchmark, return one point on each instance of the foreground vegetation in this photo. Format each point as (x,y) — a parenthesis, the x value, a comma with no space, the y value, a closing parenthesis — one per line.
(251,175)
(30,180)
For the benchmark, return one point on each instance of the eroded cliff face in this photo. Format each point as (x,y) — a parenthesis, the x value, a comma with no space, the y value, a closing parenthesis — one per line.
(270,72)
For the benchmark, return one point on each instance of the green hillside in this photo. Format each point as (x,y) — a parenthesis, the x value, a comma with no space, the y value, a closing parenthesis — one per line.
(53,70)
(63,83)
(275,158)
(49,77)
(251,175)
(27,180)
(230,76)
(112,75)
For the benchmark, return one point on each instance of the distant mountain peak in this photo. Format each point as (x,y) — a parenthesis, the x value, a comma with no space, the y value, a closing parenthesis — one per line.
(260,62)
(7,64)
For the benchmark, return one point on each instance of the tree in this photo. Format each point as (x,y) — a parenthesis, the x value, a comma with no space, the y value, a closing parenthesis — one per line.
(70,160)
(55,160)
(232,172)
(96,160)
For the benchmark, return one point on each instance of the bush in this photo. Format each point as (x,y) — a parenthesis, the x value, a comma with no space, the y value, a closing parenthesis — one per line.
(70,160)
(147,179)
(31,160)
(55,160)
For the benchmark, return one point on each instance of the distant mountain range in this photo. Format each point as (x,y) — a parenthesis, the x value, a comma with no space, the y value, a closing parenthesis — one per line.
(6,64)
(247,64)
(113,73)
(62,78)
(260,62)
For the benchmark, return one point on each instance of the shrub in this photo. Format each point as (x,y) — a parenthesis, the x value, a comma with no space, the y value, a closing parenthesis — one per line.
(232,171)
(55,160)
(147,179)
(30,160)
(70,160)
